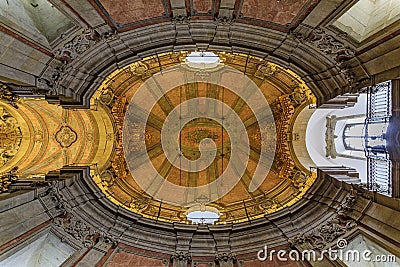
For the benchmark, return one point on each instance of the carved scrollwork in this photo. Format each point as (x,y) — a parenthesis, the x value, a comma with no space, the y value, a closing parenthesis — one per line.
(180,259)
(108,177)
(299,179)
(7,95)
(328,232)
(181,19)
(141,70)
(330,45)
(50,83)
(225,259)
(77,229)
(55,196)
(77,45)
(224,20)
(107,97)
(140,203)
(7,179)
(268,204)
(10,136)
(327,44)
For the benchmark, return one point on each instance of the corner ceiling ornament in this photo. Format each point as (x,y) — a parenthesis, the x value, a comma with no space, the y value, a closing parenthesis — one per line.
(10,136)
(66,136)
(72,48)
(336,227)
(329,45)
(50,82)
(6,179)
(71,224)
(7,95)
(77,229)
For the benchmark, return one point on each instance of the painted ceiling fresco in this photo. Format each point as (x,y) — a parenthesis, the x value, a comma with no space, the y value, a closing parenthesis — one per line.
(285,183)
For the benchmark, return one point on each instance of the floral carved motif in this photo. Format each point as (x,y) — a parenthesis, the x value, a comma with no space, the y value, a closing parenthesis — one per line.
(66,136)
(180,259)
(225,259)
(77,229)
(79,44)
(327,44)
(328,232)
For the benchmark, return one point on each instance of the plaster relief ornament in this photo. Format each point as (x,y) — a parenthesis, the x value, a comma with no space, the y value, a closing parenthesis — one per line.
(77,45)
(66,136)
(10,136)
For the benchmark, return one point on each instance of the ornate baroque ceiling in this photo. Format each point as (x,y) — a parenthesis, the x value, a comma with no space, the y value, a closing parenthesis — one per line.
(285,183)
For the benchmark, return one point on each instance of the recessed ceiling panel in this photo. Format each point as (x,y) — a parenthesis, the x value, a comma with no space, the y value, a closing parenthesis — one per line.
(128,11)
(280,12)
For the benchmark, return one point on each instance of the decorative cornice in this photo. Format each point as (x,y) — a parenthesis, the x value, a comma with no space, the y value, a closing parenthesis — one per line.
(331,46)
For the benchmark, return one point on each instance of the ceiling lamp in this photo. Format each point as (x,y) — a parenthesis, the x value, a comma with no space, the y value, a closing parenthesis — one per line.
(202,215)
(202,60)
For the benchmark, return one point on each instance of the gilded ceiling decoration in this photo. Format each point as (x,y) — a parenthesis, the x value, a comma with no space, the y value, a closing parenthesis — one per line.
(66,136)
(10,136)
(39,137)
(284,184)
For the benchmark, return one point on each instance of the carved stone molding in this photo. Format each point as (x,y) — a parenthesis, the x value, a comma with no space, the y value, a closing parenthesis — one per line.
(77,229)
(73,226)
(7,179)
(225,259)
(327,43)
(331,46)
(332,229)
(55,196)
(181,19)
(7,95)
(180,259)
(224,20)
(50,83)
(78,44)
(10,136)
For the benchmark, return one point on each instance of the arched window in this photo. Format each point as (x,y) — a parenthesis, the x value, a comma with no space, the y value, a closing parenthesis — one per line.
(353,136)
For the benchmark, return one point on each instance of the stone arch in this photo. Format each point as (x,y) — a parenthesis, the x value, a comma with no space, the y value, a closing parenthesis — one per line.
(300,53)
